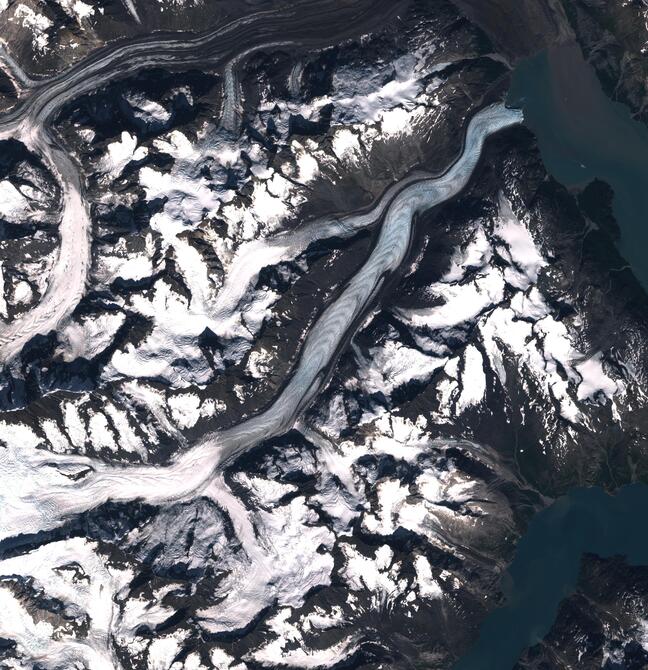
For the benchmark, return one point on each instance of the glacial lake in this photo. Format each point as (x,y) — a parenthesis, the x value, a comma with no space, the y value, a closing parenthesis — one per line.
(583,135)
(546,565)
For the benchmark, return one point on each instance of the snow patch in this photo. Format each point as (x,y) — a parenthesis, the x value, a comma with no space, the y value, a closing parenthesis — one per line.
(37,23)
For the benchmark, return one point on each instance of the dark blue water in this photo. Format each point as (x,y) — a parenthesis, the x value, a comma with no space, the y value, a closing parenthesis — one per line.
(582,134)
(546,565)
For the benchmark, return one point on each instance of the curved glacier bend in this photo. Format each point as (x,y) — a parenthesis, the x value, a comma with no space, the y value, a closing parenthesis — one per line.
(252,256)
(40,489)
(30,121)
(67,281)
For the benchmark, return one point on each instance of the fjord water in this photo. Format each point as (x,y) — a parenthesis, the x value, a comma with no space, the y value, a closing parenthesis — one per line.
(582,134)
(546,564)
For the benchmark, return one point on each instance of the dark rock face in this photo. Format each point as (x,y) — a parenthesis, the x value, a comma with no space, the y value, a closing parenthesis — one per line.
(519,29)
(613,36)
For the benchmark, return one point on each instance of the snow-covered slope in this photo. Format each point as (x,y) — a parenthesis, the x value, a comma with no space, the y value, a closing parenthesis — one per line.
(324,335)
